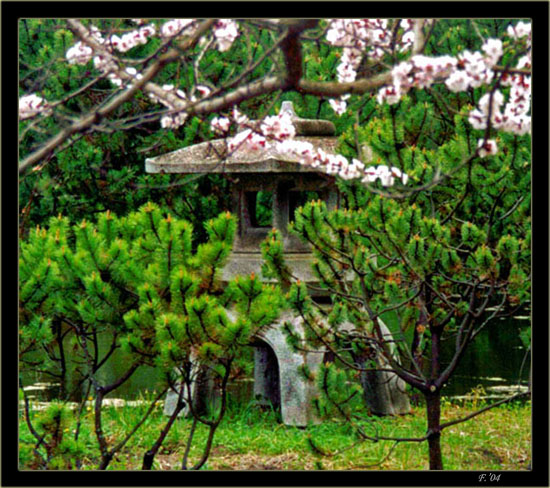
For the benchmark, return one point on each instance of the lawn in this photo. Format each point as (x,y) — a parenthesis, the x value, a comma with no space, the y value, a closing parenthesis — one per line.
(254,439)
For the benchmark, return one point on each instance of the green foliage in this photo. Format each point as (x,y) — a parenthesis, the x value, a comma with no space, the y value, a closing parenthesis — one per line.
(58,449)
(137,278)
(437,254)
(103,171)
(452,242)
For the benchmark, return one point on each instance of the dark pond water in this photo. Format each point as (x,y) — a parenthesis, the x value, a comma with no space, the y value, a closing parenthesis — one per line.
(496,361)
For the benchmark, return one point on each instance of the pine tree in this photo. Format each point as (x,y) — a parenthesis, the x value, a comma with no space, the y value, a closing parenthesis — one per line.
(138,280)
(437,259)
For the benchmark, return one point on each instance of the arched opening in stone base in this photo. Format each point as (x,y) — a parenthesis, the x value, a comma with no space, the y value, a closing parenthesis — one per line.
(267,381)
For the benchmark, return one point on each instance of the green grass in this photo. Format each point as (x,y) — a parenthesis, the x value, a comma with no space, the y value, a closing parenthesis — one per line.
(252,439)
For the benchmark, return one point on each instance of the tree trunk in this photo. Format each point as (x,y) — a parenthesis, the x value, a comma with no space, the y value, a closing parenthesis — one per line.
(433,405)
(149,456)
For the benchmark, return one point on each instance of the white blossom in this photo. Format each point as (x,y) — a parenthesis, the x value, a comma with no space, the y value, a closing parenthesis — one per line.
(247,140)
(521,29)
(487,148)
(177,27)
(220,125)
(31,105)
(458,81)
(279,127)
(493,51)
(338,105)
(389,94)
(225,33)
(477,119)
(80,53)
(173,121)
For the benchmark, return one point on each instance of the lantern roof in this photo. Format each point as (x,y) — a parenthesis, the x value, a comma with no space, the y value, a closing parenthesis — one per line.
(214,156)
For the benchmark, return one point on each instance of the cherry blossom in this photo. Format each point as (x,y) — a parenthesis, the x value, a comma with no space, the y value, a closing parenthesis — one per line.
(521,29)
(493,51)
(31,105)
(80,53)
(220,125)
(247,140)
(278,127)
(458,81)
(133,38)
(278,132)
(336,164)
(240,119)
(338,105)
(386,175)
(419,72)
(225,33)
(487,148)
(177,27)
(303,150)
(115,80)
(471,70)
(360,38)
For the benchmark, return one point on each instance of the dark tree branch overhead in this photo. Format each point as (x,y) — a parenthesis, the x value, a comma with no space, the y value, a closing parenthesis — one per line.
(102,111)
(290,45)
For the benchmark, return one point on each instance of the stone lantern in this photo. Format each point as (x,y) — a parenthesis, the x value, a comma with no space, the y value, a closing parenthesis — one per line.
(266,187)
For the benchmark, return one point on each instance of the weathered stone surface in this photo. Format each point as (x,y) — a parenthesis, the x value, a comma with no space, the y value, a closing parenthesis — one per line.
(214,157)
(296,393)
(385,393)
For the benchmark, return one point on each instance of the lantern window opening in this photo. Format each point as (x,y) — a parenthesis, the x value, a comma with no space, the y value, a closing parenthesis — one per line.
(260,208)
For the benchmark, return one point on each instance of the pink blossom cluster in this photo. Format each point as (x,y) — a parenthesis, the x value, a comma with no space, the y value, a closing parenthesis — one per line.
(520,30)
(115,80)
(515,116)
(278,132)
(220,125)
(248,140)
(336,164)
(80,53)
(177,27)
(386,174)
(178,117)
(105,63)
(172,120)
(487,147)
(253,136)
(278,127)
(225,33)
(133,38)
(31,105)
(420,72)
(472,70)
(360,38)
